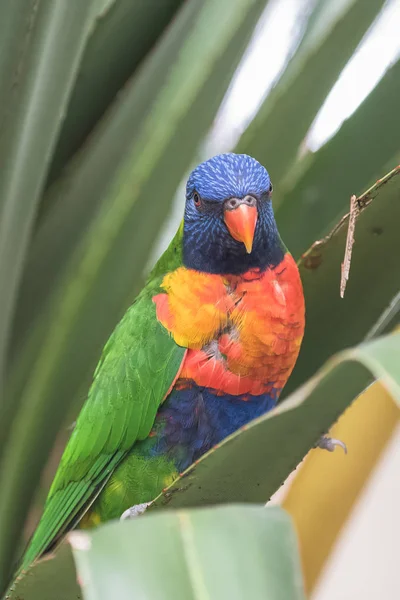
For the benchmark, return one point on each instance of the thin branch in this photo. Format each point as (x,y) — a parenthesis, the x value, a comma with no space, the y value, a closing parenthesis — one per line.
(354,212)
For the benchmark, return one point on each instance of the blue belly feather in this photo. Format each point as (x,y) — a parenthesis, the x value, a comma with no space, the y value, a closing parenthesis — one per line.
(193,420)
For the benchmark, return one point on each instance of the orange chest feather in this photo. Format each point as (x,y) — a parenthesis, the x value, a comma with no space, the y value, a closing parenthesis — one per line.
(243,332)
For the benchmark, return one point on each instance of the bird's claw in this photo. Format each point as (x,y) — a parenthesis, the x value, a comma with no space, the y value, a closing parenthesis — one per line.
(328,443)
(134,511)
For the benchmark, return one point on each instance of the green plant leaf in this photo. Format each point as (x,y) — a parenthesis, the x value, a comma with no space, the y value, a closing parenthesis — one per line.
(81,192)
(275,135)
(122,34)
(194,554)
(53,578)
(251,464)
(317,191)
(39,62)
(332,322)
(98,281)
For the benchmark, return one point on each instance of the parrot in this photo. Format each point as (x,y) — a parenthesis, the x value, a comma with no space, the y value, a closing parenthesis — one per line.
(207,346)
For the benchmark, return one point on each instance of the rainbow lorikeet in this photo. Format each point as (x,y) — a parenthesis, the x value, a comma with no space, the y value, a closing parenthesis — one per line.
(207,346)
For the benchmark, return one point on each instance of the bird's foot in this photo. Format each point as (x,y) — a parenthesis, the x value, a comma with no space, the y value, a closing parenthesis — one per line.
(328,443)
(134,511)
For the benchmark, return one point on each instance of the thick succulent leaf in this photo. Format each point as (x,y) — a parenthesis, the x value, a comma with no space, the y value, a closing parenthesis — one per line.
(94,176)
(371,301)
(251,464)
(122,33)
(40,50)
(53,578)
(195,554)
(321,506)
(317,191)
(179,100)
(275,135)
(74,199)
(14,25)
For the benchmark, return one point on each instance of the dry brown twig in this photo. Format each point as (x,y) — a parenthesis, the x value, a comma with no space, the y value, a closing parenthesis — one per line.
(354,211)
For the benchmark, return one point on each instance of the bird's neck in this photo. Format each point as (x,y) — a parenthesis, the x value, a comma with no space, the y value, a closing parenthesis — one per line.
(209,255)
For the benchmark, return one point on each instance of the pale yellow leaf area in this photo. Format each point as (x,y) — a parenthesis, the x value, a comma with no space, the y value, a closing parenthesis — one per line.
(323,493)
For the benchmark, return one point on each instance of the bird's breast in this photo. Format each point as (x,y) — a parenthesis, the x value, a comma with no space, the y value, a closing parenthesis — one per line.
(243,333)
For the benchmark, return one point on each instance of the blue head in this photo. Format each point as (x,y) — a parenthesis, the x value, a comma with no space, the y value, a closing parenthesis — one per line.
(229,224)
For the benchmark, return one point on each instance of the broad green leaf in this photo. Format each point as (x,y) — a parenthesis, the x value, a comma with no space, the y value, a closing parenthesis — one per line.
(231,552)
(251,464)
(317,191)
(179,102)
(123,32)
(14,26)
(39,60)
(86,185)
(275,135)
(53,578)
(332,322)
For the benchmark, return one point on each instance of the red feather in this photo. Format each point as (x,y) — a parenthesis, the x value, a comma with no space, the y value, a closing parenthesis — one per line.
(243,332)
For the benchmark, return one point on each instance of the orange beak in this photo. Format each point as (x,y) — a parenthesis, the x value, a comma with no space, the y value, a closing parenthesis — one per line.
(241,223)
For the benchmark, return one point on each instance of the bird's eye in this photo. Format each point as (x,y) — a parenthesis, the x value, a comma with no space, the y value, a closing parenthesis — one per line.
(271,187)
(196,199)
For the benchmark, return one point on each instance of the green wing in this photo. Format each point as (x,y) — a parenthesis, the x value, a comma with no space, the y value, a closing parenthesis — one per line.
(138,366)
